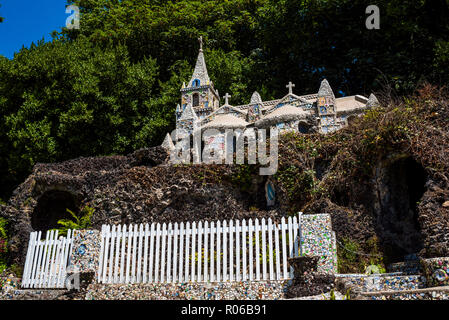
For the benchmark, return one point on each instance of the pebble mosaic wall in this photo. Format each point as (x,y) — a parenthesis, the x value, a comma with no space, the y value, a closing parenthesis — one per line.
(254,290)
(8,285)
(317,238)
(429,295)
(86,251)
(436,271)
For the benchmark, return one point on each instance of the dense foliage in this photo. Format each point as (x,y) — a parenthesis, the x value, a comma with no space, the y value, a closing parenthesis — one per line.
(112,86)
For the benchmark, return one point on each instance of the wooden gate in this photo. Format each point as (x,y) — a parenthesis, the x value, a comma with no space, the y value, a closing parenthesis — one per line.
(47,260)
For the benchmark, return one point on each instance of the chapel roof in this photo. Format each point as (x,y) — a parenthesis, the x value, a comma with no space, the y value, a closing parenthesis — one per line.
(350,103)
(226,121)
(282,114)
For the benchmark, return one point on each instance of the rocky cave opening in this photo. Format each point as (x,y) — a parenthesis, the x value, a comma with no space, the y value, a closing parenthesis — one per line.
(399,193)
(51,207)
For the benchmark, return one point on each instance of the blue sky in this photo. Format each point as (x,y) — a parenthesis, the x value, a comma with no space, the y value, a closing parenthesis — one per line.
(28,21)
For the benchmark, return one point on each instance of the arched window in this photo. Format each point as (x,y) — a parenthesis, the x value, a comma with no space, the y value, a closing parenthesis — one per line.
(196,99)
(196,83)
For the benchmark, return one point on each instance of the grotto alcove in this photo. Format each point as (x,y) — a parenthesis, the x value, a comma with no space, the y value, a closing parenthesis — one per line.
(304,127)
(400,187)
(51,206)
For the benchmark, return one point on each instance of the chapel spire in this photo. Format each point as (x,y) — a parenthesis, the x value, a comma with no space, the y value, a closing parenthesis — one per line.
(200,76)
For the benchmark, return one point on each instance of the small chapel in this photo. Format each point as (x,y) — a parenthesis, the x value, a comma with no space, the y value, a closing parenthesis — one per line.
(319,112)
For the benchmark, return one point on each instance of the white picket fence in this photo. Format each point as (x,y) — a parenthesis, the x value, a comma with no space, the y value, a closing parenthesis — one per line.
(47,260)
(198,252)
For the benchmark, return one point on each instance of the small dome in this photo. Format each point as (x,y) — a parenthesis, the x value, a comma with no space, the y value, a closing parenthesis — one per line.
(255,98)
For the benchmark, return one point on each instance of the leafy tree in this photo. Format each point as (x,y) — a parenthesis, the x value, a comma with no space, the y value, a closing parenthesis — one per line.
(63,100)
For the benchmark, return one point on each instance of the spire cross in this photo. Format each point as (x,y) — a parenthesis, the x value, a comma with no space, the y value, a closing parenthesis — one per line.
(227,96)
(290,87)
(200,39)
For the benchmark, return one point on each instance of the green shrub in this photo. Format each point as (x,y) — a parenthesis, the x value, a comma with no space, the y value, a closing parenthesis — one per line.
(3,244)
(83,221)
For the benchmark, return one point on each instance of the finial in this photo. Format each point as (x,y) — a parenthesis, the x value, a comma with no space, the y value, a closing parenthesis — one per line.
(290,87)
(227,96)
(200,39)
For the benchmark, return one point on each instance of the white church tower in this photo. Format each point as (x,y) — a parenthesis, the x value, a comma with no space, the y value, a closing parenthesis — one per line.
(198,98)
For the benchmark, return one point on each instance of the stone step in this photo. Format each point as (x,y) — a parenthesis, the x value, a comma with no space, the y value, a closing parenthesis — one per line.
(32,294)
(436,293)
(409,267)
(384,282)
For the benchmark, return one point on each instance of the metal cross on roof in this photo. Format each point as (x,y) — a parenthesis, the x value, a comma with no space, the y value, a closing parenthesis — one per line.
(290,87)
(227,96)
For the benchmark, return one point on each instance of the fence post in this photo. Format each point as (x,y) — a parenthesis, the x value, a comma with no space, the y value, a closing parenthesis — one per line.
(237,250)
(181,251)
(152,237)
(139,254)
(244,250)
(256,227)
(212,248)
(284,248)
(200,250)
(250,238)
(117,254)
(192,261)
(231,251)
(187,256)
(225,271)
(163,252)
(145,253)
(169,241)
(175,252)
(111,258)
(206,231)
(277,252)
(218,251)
(122,258)
(264,251)
(156,264)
